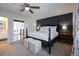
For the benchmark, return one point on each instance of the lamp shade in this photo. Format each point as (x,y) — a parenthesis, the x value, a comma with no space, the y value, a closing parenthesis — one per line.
(64,27)
(38,27)
(27,8)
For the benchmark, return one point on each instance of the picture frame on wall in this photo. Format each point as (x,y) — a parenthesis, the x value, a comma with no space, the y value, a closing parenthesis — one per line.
(2,25)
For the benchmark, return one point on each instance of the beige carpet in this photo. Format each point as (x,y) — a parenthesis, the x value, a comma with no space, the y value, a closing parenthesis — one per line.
(17,49)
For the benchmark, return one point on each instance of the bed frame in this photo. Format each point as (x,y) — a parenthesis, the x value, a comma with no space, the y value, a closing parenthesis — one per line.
(49,42)
(51,21)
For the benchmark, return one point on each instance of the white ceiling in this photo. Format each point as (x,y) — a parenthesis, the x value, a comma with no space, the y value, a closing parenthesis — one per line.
(46,9)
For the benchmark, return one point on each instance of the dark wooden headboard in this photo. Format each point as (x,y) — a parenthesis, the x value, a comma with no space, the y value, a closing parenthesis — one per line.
(51,21)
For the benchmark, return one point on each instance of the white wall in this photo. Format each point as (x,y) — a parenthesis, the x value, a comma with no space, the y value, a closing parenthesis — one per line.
(76,34)
(74,20)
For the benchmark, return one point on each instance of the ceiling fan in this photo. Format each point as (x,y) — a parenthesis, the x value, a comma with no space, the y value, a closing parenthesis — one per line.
(28,7)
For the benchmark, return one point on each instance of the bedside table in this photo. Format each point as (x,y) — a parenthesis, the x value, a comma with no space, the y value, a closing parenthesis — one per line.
(65,37)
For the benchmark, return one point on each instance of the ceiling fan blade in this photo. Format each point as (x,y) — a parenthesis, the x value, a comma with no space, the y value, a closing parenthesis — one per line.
(35,7)
(27,4)
(31,11)
(22,10)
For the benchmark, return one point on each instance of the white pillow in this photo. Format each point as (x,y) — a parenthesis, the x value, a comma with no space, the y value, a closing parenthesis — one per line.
(53,29)
(44,29)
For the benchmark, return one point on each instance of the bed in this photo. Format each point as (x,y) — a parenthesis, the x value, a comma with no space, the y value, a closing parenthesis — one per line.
(45,35)
(48,31)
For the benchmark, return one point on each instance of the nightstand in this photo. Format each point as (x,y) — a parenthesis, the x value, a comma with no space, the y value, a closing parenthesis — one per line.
(65,37)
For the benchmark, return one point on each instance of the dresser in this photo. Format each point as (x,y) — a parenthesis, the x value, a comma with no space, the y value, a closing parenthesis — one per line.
(65,37)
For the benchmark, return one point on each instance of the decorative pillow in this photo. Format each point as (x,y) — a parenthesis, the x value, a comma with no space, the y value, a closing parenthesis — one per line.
(44,29)
(53,29)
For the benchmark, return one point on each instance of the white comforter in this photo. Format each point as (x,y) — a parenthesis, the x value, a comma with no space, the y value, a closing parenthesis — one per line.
(42,35)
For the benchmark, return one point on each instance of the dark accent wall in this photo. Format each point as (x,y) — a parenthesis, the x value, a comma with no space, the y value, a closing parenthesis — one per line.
(51,21)
(58,21)
(66,19)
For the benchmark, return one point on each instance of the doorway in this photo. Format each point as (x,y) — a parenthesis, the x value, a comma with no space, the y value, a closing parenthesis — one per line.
(18,30)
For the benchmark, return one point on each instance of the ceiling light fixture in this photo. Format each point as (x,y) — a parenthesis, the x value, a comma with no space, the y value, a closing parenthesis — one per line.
(27,8)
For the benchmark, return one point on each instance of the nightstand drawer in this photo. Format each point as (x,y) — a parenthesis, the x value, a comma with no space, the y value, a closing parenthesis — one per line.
(63,37)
